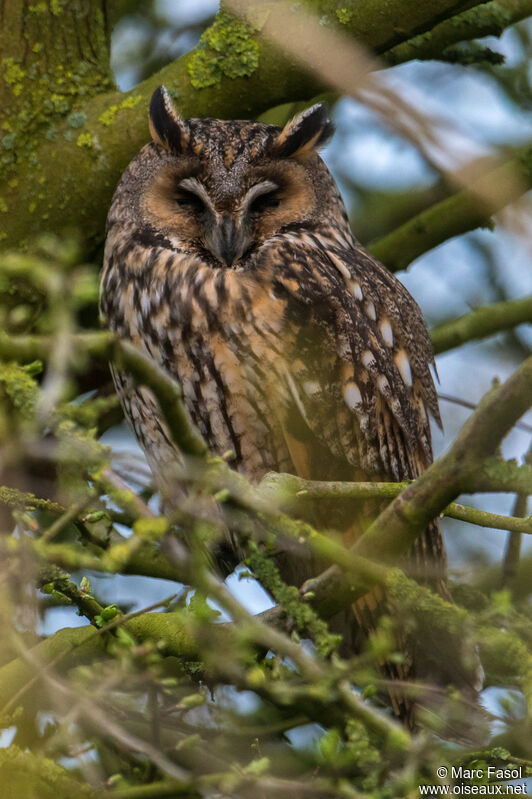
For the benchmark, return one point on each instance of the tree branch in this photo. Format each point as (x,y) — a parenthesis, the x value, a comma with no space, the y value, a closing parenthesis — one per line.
(395,529)
(469,208)
(69,647)
(104,347)
(480,323)
(293,493)
(491,19)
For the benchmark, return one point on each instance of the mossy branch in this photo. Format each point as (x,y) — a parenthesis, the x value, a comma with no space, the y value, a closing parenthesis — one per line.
(469,459)
(293,493)
(484,472)
(480,323)
(104,348)
(78,150)
(466,210)
(490,19)
(69,647)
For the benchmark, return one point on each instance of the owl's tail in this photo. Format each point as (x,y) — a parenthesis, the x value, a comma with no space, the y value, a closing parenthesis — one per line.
(434,677)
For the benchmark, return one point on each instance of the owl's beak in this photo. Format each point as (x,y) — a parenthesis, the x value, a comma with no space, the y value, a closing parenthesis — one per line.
(228,241)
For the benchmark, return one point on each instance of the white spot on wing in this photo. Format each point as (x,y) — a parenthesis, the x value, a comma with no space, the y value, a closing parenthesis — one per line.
(422,409)
(383,385)
(145,304)
(352,395)
(403,364)
(386,332)
(368,359)
(363,422)
(340,265)
(357,291)
(370,310)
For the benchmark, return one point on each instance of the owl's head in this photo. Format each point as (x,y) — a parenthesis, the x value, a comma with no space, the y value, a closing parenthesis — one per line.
(222,188)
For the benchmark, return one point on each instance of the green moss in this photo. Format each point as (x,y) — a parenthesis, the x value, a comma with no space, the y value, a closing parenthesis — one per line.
(59,103)
(15,498)
(18,386)
(89,412)
(504,656)
(109,115)
(151,529)
(8,141)
(13,72)
(45,94)
(226,49)
(305,618)
(3,206)
(78,445)
(344,15)
(13,75)
(423,604)
(493,16)
(131,102)
(85,140)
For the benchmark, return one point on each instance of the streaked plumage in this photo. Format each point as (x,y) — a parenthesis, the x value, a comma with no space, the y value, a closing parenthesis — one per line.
(229,259)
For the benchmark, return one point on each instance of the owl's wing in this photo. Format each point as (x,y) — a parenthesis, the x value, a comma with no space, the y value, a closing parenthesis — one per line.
(359,376)
(359,365)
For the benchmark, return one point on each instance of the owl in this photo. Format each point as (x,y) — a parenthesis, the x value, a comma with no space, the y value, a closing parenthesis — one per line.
(230,261)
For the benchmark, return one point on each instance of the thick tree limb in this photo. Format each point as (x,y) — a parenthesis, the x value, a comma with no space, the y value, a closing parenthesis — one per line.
(74,645)
(77,154)
(466,210)
(378,28)
(480,323)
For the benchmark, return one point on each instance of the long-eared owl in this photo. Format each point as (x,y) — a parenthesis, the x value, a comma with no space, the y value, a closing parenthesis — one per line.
(229,259)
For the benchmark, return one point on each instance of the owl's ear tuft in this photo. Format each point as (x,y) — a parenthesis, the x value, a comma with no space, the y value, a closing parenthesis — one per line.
(166,126)
(304,132)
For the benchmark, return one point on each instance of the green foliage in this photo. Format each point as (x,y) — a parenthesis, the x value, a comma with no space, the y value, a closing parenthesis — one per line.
(108,614)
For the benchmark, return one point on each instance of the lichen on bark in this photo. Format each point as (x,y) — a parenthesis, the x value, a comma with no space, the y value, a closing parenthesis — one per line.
(228,48)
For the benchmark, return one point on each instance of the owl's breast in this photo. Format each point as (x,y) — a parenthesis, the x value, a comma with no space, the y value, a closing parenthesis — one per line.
(222,335)
(228,348)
